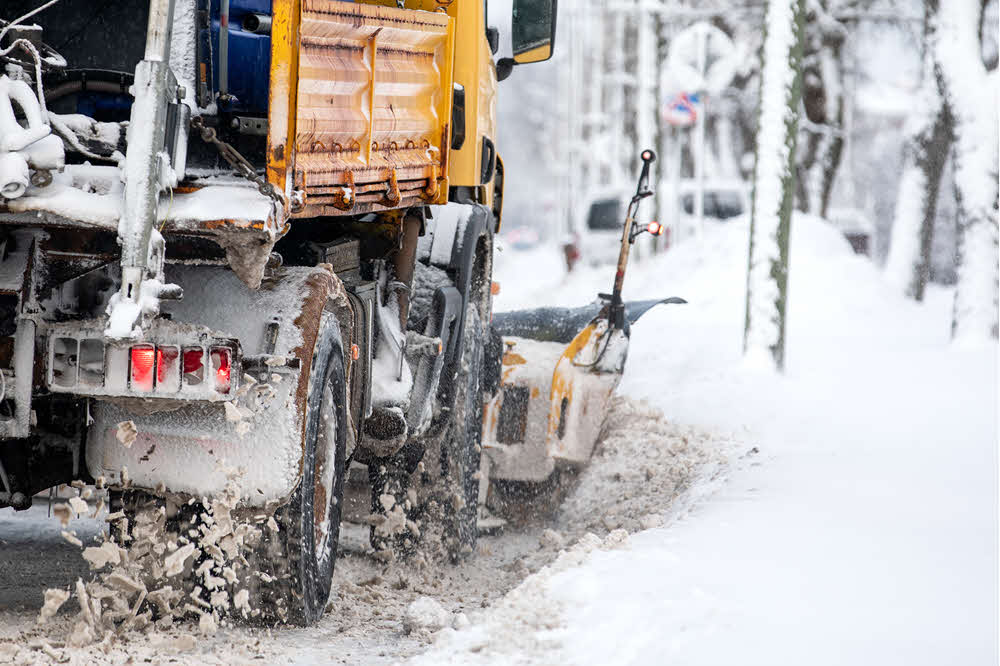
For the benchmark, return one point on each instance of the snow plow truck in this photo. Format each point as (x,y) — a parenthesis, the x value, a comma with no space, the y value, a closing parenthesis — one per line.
(251,235)
(250,242)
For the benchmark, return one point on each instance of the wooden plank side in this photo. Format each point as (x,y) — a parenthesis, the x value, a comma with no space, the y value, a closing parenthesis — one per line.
(373,99)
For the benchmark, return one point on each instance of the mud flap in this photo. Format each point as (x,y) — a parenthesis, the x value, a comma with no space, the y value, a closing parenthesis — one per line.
(442,323)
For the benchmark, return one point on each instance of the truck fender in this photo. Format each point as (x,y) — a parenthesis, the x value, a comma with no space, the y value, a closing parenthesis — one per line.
(457,230)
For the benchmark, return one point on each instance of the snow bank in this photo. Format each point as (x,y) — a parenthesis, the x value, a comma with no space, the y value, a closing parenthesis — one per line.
(514,631)
(642,465)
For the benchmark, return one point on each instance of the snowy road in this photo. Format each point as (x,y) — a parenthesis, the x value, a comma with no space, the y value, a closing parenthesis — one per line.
(364,624)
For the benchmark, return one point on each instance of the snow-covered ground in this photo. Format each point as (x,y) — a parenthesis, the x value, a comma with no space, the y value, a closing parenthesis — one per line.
(842,513)
(859,523)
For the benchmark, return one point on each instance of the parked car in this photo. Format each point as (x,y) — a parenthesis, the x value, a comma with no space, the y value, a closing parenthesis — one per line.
(601,230)
(522,238)
(724,201)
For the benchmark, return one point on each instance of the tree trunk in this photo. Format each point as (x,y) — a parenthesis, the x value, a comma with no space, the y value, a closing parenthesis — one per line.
(774,182)
(930,129)
(971,94)
(823,102)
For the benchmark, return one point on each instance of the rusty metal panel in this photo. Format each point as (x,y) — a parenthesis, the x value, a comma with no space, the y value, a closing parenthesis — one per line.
(281,103)
(372,107)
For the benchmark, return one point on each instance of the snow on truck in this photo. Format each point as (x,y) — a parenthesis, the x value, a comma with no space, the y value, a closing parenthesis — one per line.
(252,245)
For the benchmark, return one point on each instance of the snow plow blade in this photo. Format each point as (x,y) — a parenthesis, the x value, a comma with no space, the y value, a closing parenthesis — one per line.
(563,324)
(559,369)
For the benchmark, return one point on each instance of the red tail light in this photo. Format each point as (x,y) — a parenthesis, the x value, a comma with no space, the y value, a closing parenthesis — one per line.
(89,366)
(194,365)
(167,369)
(142,367)
(222,367)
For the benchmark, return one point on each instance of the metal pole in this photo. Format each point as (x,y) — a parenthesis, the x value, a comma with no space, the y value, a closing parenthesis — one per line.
(673,206)
(224,49)
(146,133)
(700,139)
(617,309)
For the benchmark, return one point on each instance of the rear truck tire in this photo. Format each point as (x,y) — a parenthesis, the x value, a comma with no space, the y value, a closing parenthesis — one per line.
(301,556)
(449,507)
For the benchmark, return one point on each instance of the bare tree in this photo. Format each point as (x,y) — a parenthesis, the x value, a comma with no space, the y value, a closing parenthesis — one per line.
(929,136)
(970,91)
(774,181)
(822,137)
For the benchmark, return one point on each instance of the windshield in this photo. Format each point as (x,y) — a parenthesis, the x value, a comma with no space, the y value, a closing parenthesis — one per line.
(719,204)
(605,215)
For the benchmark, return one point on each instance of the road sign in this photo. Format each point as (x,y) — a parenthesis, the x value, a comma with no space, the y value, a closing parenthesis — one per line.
(681,110)
(702,58)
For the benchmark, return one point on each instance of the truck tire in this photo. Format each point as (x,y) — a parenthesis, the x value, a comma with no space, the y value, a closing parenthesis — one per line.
(461,450)
(303,552)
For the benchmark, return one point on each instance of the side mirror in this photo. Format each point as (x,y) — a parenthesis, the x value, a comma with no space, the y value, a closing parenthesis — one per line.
(533,30)
(493,39)
(505,67)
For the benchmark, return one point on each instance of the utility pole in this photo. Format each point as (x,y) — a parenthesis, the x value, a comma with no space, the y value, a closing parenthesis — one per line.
(645,77)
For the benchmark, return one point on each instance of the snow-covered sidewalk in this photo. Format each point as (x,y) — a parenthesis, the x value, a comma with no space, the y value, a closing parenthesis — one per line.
(862,530)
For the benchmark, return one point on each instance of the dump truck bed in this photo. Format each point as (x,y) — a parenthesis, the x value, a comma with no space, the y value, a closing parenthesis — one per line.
(363,93)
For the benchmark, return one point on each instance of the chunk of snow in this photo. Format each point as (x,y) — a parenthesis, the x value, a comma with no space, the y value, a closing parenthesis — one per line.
(616,539)
(233,413)
(79,506)
(174,562)
(72,539)
(651,521)
(127,433)
(63,513)
(551,539)
(206,624)
(103,555)
(54,599)
(427,614)
(241,602)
